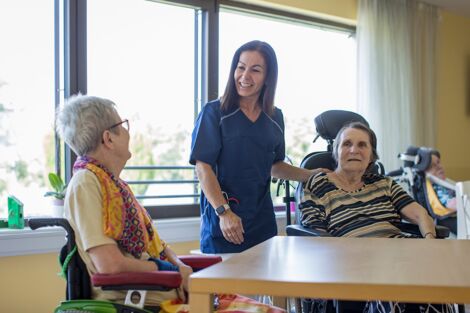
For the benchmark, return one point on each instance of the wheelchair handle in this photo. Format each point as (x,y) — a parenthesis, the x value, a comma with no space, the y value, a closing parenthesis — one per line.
(36,223)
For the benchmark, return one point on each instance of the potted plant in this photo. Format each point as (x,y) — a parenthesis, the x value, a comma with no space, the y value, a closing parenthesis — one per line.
(58,194)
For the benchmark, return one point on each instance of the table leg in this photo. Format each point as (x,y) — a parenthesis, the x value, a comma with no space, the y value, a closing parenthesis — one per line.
(201,302)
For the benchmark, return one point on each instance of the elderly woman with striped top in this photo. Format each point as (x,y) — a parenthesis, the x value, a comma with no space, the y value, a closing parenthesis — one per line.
(353,202)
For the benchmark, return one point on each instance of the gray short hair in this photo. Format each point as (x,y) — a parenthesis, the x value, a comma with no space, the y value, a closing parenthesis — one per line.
(83,120)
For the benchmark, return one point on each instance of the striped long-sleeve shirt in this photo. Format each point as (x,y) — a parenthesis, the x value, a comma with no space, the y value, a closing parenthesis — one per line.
(367,212)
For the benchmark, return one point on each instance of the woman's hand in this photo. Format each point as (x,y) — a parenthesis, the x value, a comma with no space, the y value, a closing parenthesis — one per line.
(232,227)
(416,214)
(286,171)
(185,272)
(319,170)
(429,235)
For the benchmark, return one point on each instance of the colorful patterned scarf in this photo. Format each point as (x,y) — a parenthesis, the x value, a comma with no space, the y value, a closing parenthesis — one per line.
(124,219)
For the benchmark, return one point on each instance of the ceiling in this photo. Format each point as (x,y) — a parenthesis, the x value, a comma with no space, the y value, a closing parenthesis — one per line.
(460,7)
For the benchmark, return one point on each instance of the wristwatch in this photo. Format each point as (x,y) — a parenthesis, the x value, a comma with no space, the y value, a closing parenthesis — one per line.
(221,210)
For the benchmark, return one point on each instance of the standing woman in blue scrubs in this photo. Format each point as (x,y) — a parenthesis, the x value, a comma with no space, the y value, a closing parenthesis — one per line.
(237,145)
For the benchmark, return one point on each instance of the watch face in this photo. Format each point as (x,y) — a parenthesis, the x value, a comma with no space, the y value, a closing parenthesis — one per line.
(220,210)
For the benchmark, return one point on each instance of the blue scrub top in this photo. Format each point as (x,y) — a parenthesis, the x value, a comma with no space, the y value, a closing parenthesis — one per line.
(241,153)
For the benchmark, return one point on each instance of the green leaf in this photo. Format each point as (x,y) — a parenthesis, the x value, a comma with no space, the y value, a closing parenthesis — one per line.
(51,194)
(57,185)
(56,182)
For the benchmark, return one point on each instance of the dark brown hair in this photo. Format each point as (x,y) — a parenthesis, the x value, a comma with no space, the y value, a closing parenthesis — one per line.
(230,98)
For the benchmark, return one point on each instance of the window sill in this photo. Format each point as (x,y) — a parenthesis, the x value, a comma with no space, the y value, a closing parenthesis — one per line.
(14,242)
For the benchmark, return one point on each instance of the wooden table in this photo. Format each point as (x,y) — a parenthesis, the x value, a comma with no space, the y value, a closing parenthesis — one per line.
(412,270)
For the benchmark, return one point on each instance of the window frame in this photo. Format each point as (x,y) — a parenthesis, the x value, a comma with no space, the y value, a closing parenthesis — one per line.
(205,73)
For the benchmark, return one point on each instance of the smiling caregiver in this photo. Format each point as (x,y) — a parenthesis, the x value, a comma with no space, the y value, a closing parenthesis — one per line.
(237,145)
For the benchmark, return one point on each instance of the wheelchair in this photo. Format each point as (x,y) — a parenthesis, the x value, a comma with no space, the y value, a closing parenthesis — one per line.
(78,287)
(327,126)
(412,176)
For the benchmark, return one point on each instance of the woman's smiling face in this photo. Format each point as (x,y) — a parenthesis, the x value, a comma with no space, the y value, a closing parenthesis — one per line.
(250,74)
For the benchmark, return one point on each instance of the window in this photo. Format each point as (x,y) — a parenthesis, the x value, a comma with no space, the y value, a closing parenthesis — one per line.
(141,54)
(317,72)
(160,61)
(27,102)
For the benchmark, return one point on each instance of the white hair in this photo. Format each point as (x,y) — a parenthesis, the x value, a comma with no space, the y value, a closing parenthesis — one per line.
(83,120)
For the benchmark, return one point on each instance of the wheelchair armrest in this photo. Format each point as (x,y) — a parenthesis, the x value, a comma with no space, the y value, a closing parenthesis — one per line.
(156,280)
(198,262)
(299,230)
(441,231)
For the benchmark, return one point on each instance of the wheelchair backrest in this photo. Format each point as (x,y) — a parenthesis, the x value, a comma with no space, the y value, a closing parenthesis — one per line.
(329,123)
(78,279)
(76,274)
(416,160)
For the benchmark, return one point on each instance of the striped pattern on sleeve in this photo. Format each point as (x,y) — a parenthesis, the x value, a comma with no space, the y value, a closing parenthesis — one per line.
(367,212)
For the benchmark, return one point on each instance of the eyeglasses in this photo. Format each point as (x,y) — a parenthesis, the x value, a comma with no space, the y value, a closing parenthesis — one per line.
(124,123)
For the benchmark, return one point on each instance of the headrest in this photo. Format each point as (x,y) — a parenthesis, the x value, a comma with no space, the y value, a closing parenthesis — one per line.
(418,158)
(411,151)
(330,122)
(322,159)
(325,159)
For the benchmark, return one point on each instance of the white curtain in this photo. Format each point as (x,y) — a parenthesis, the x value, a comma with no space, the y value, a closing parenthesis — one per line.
(396,60)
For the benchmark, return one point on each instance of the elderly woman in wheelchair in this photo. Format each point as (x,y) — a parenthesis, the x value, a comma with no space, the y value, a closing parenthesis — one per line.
(441,193)
(113,232)
(424,177)
(352,201)
(445,195)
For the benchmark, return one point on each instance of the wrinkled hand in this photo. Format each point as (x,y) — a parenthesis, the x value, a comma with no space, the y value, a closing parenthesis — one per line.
(185,271)
(232,228)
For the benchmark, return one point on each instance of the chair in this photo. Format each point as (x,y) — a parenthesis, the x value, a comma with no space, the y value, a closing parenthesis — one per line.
(416,160)
(78,288)
(328,125)
(324,159)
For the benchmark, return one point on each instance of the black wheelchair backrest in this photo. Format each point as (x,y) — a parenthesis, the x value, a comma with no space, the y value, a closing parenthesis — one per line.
(78,279)
(418,158)
(330,122)
(319,159)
